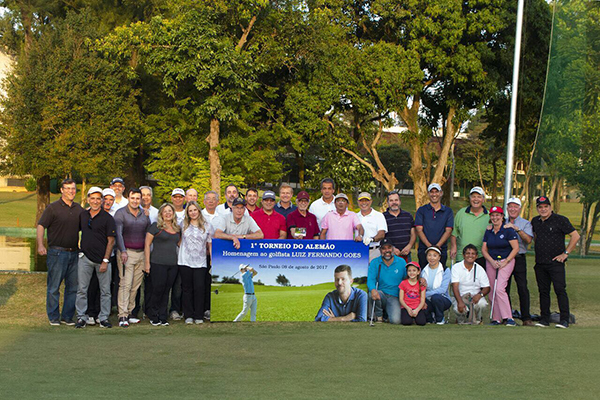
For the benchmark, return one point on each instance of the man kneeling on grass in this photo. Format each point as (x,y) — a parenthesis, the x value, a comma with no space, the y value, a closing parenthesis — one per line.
(346,303)
(470,285)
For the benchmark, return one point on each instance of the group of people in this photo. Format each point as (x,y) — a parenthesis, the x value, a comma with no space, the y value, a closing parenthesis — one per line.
(126,241)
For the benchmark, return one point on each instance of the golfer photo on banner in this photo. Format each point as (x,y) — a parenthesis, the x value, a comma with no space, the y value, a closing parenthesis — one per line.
(280,280)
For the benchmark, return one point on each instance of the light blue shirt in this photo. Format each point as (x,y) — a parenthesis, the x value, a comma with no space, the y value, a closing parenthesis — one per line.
(389,277)
(357,303)
(247,282)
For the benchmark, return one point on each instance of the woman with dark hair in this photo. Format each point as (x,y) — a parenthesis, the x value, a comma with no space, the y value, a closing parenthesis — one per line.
(500,247)
(438,279)
(196,244)
(163,238)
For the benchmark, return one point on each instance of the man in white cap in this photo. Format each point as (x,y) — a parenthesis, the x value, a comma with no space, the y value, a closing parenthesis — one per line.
(470,224)
(98,233)
(120,201)
(373,223)
(325,203)
(108,199)
(434,223)
(178,199)
(341,223)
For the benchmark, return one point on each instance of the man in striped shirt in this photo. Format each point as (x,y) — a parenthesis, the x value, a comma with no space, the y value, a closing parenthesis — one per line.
(401,227)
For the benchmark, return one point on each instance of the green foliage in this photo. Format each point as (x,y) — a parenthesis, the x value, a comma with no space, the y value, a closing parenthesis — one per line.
(30,184)
(282,280)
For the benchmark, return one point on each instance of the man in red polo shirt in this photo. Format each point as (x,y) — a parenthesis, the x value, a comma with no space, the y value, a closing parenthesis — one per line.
(301,223)
(271,223)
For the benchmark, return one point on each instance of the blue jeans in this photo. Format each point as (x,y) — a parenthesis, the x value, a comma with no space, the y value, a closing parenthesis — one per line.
(436,305)
(62,265)
(389,303)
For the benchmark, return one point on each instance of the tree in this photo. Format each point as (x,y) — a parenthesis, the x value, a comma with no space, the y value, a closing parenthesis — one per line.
(282,280)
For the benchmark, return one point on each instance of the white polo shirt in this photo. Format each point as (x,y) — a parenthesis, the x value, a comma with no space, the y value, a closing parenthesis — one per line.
(222,211)
(373,223)
(180,216)
(469,281)
(116,206)
(153,214)
(208,216)
(320,208)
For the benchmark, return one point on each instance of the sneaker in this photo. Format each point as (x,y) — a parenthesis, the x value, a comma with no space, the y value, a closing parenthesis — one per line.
(175,316)
(189,321)
(442,322)
(68,322)
(91,321)
(542,324)
(511,322)
(495,323)
(563,324)
(133,320)
(80,323)
(123,322)
(97,320)
(199,321)
(155,323)
(55,322)
(165,323)
(207,315)
(105,324)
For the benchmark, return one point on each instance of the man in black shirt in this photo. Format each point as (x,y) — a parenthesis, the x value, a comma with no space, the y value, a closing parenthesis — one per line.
(98,233)
(549,231)
(61,219)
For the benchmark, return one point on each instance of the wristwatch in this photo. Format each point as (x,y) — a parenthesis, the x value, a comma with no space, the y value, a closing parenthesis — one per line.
(106,260)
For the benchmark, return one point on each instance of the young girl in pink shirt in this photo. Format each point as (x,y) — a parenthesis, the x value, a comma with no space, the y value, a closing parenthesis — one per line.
(412,297)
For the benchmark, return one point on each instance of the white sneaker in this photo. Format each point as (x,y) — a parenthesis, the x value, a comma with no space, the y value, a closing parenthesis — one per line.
(175,316)
(133,320)
(189,321)
(199,321)
(91,321)
(442,322)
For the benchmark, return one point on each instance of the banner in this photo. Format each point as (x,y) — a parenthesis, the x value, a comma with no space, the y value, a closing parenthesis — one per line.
(292,276)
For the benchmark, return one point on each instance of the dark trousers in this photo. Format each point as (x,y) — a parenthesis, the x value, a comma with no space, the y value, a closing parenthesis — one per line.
(193,285)
(208,289)
(162,277)
(481,261)
(423,259)
(436,305)
(554,273)
(114,286)
(520,275)
(176,294)
(93,296)
(406,319)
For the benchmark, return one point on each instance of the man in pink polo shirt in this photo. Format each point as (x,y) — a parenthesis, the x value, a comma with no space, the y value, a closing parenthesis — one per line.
(270,222)
(341,223)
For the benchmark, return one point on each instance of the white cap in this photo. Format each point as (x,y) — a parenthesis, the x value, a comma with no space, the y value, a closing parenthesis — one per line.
(477,189)
(341,196)
(242,266)
(434,186)
(515,200)
(177,191)
(108,192)
(94,189)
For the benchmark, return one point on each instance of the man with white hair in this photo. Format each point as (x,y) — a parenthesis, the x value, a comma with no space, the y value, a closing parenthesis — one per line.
(470,224)
(211,201)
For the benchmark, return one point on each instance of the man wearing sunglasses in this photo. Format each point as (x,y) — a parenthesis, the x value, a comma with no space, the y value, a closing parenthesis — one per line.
(98,233)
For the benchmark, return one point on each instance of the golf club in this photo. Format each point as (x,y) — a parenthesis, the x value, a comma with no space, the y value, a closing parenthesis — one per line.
(494,295)
(376,289)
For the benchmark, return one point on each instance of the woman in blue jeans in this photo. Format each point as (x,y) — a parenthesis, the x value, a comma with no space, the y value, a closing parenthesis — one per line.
(437,299)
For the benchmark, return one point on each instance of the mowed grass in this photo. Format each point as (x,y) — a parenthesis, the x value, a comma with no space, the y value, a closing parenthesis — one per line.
(274,303)
(298,359)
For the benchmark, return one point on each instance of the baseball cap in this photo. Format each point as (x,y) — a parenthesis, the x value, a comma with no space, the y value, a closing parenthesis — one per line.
(94,189)
(496,209)
(238,200)
(108,192)
(477,189)
(414,264)
(434,186)
(177,191)
(269,194)
(117,180)
(303,195)
(385,242)
(542,200)
(242,266)
(515,200)
(364,195)
(341,196)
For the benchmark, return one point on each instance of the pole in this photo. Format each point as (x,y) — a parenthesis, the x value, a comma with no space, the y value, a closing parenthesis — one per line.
(512,127)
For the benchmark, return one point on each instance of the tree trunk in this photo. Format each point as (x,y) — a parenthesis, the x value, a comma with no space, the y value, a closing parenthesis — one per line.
(554,195)
(26,21)
(479,172)
(83,189)
(43,196)
(584,223)
(301,169)
(213,155)
(592,227)
(495,182)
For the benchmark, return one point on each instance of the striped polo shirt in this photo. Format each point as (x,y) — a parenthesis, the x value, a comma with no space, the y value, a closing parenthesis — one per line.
(399,228)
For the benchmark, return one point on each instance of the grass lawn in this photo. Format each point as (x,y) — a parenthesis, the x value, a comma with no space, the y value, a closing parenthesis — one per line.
(298,359)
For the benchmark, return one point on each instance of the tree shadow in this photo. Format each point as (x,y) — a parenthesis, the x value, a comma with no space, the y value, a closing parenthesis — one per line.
(7,290)
(17,199)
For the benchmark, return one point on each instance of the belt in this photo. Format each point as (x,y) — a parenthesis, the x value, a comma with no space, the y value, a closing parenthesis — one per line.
(69,249)
(248,293)
(374,247)
(520,255)
(135,250)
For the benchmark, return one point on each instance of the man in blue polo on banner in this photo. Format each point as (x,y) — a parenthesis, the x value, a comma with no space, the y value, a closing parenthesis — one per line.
(346,303)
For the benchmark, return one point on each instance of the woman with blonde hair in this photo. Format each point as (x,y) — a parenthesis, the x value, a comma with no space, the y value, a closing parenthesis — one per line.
(196,242)
(163,238)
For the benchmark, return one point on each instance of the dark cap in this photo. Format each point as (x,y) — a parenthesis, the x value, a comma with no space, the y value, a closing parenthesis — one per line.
(385,242)
(117,180)
(238,200)
(303,195)
(542,200)
(269,194)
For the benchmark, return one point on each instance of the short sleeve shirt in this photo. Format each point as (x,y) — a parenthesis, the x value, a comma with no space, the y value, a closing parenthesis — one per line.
(340,227)
(319,208)
(284,211)
(95,233)
(164,246)
(469,281)
(412,293)
(192,251)
(62,223)
(434,224)
(526,227)
(469,229)
(269,224)
(308,222)
(227,224)
(498,244)
(373,223)
(399,228)
(550,237)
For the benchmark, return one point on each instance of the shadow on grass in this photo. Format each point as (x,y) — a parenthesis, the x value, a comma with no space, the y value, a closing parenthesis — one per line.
(7,290)
(19,199)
